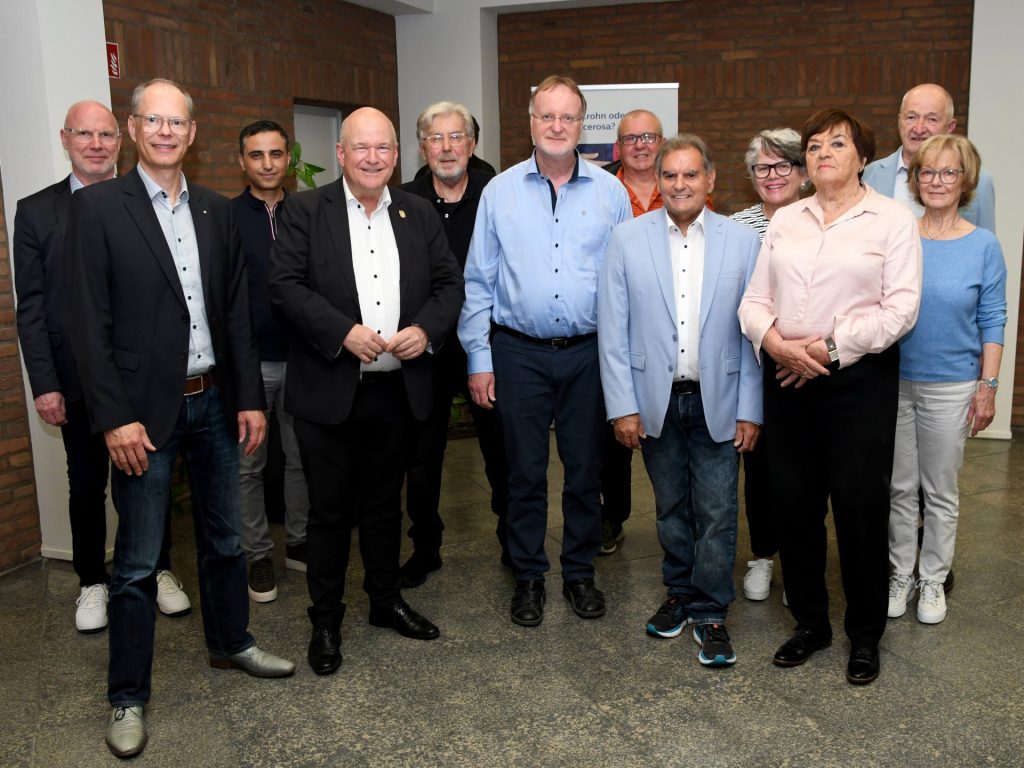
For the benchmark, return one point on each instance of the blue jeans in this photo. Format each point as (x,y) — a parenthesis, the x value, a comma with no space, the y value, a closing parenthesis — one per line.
(695,486)
(202,435)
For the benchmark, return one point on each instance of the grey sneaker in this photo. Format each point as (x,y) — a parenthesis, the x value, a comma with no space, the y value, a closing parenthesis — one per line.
(262,586)
(126,733)
(931,606)
(256,662)
(900,590)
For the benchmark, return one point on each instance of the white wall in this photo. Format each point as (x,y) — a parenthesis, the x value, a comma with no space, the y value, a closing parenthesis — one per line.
(996,117)
(52,54)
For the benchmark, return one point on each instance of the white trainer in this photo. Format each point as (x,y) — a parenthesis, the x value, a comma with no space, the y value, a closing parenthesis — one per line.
(757,582)
(170,597)
(91,613)
(900,590)
(931,605)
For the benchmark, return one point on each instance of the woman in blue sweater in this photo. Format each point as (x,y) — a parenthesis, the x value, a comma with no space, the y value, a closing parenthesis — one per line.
(948,368)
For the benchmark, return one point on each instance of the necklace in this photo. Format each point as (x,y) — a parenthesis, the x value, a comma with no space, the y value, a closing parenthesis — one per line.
(942,230)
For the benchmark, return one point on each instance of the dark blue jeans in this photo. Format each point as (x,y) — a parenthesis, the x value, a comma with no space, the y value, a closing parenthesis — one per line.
(535,385)
(695,483)
(202,436)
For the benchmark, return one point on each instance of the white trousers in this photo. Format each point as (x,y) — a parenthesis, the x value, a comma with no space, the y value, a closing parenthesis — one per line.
(931,429)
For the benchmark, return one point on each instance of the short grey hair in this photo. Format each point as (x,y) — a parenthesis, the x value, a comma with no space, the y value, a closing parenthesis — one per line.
(440,109)
(684,141)
(638,113)
(137,94)
(781,142)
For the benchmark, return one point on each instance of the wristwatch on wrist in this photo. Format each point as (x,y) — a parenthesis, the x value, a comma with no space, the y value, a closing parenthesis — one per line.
(992,383)
(830,345)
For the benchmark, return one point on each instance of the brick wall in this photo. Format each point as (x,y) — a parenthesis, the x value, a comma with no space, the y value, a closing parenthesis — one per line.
(249,60)
(19,511)
(743,65)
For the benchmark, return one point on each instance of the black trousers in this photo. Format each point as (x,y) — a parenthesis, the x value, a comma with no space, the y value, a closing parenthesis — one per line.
(757,498)
(88,471)
(616,480)
(833,440)
(423,477)
(354,471)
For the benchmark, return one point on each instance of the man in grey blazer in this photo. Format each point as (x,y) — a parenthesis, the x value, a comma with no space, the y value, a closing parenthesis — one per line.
(682,384)
(927,110)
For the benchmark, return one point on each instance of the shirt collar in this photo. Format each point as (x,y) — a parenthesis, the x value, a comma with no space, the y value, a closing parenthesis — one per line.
(154,190)
(872,202)
(900,165)
(699,221)
(77,184)
(350,199)
(579,169)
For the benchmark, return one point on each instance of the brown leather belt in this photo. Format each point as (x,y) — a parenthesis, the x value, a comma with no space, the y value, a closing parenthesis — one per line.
(682,387)
(196,384)
(558,342)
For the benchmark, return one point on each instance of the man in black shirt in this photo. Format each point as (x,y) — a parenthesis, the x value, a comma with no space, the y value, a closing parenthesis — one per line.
(263,156)
(447,137)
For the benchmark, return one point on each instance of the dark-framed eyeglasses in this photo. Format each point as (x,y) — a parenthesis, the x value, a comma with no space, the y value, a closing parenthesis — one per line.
(644,138)
(455,138)
(764,170)
(945,175)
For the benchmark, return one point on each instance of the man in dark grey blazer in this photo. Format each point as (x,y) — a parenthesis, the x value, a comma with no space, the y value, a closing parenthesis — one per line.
(165,348)
(92,140)
(365,279)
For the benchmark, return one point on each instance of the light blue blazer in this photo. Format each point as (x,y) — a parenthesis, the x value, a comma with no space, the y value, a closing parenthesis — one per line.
(636,325)
(981,211)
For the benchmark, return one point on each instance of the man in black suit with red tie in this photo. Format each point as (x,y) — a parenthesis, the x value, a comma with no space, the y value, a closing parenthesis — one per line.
(365,279)
(165,348)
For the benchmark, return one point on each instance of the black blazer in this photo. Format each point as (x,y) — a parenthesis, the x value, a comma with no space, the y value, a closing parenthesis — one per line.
(131,323)
(313,285)
(44,312)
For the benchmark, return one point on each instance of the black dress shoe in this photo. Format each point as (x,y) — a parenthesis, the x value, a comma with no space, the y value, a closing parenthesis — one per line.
(587,600)
(528,603)
(325,650)
(863,666)
(404,620)
(800,646)
(416,568)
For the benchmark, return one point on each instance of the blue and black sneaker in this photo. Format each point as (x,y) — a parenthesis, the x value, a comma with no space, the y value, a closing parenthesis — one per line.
(670,618)
(715,648)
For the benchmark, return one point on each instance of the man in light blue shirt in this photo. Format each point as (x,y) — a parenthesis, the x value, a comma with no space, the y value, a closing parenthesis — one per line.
(529,328)
(926,111)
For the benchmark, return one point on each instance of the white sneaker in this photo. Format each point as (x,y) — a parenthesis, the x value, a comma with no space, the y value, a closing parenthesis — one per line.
(900,590)
(757,582)
(170,597)
(931,605)
(91,614)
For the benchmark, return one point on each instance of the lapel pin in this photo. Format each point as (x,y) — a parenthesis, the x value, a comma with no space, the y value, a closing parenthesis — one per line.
(401,213)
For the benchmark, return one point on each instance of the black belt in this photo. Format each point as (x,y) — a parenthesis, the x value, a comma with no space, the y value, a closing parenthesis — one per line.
(683,387)
(558,342)
(378,377)
(196,384)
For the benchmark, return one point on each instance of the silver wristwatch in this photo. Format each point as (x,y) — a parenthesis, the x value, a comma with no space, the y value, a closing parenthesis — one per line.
(992,383)
(830,345)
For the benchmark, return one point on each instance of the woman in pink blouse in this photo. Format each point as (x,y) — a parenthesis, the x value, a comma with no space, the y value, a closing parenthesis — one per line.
(837,282)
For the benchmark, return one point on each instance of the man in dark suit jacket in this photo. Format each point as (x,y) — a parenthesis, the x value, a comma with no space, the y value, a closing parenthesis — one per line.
(364,277)
(165,349)
(92,140)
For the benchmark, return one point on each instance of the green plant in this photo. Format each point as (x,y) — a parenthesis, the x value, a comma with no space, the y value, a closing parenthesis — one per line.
(304,172)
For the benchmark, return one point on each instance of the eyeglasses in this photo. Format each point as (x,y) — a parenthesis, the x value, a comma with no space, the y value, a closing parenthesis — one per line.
(153,123)
(455,138)
(763,170)
(85,136)
(381,149)
(548,119)
(945,175)
(644,138)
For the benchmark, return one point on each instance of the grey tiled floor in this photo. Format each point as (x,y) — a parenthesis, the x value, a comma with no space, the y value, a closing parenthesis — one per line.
(568,693)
